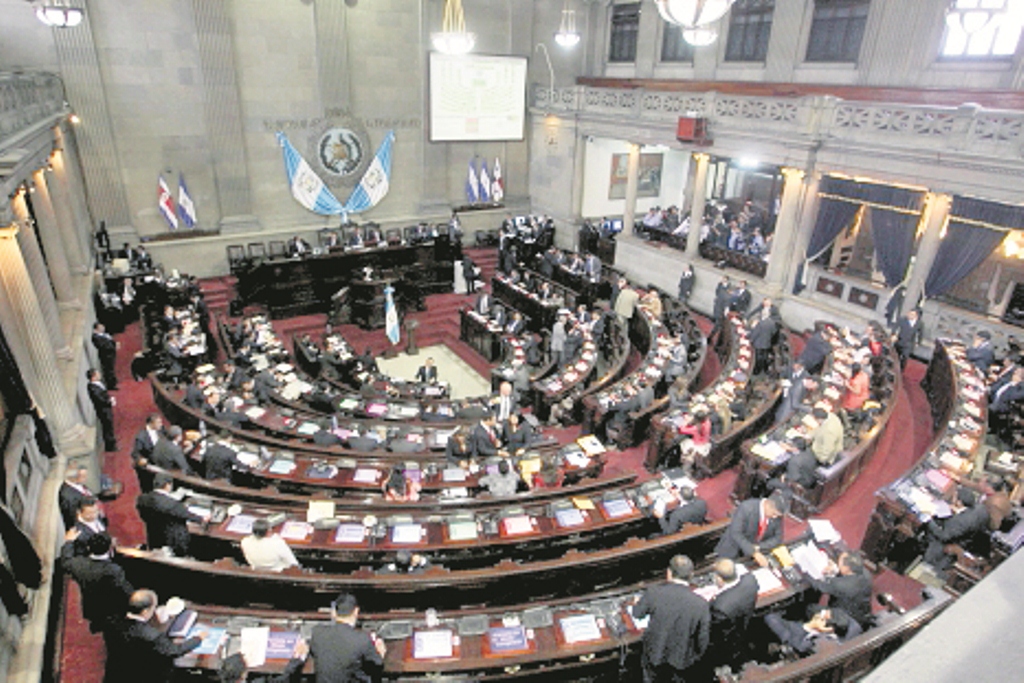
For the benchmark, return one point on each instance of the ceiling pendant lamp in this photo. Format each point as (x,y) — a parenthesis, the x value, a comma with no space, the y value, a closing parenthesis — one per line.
(58,14)
(453,39)
(567,35)
(692,13)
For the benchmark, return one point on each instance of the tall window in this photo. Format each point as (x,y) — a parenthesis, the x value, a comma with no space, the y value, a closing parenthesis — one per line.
(837,30)
(750,26)
(983,29)
(625,27)
(673,47)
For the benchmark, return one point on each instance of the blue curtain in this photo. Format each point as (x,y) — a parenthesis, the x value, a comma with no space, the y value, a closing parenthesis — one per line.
(834,216)
(963,249)
(893,233)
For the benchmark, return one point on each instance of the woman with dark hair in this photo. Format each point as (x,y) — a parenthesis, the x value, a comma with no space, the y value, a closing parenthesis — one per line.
(549,476)
(398,488)
(696,426)
(858,389)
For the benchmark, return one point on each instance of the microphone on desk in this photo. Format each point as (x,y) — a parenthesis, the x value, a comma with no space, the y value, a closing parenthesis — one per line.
(886,600)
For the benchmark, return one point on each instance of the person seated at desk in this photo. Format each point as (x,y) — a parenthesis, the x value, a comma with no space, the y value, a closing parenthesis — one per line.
(138,646)
(848,585)
(573,264)
(549,476)
(325,436)
(297,247)
(827,439)
(427,372)
(407,562)
(219,460)
(483,303)
(364,441)
(678,362)
(373,236)
(484,439)
(652,302)
(980,353)
(516,325)
(266,551)
(816,350)
(858,390)
(457,450)
(802,638)
(552,257)
(367,362)
(518,433)
(756,525)
(971,521)
(498,315)
(592,268)
(166,518)
(696,441)
(398,487)
(504,482)
(233,375)
(801,468)
(692,510)
(169,453)
(407,441)
(545,293)
(235,670)
(678,393)
(332,240)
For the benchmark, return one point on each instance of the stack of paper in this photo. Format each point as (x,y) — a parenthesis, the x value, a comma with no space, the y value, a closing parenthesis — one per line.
(767,582)
(580,628)
(436,644)
(823,531)
(254,645)
(811,560)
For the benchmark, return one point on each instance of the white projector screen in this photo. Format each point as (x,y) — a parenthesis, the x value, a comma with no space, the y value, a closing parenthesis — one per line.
(475,97)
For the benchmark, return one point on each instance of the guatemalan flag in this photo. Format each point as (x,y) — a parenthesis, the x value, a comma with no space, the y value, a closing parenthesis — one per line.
(307,188)
(186,207)
(391,316)
(485,183)
(497,185)
(165,202)
(472,185)
(376,181)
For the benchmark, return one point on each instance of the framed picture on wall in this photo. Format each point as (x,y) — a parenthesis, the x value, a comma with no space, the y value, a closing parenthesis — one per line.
(648,182)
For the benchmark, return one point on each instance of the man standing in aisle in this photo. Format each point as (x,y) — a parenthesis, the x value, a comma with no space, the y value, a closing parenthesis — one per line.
(103,403)
(908,334)
(343,653)
(677,634)
(106,349)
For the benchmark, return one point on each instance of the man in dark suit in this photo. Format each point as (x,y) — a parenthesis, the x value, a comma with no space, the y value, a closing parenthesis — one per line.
(166,518)
(686,283)
(801,468)
(793,397)
(234,669)
(516,325)
(103,403)
(142,650)
(143,261)
(504,404)
(592,268)
(677,635)
(298,246)
(756,525)
(740,299)
(972,520)
(427,372)
(692,510)
(816,350)
(764,327)
(104,588)
(518,433)
(1007,390)
(980,353)
(168,453)
(325,437)
(342,652)
(723,295)
(483,304)
(219,461)
(848,586)
(194,396)
(483,440)
(72,492)
(106,349)
(731,610)
(363,442)
(908,334)
(88,523)
(148,437)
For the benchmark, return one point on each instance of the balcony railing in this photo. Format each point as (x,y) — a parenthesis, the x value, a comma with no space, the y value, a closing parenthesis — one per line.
(969,129)
(26,99)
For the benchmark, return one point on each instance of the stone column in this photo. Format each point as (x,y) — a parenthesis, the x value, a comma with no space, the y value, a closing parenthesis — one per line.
(801,233)
(20,307)
(786,226)
(632,181)
(48,225)
(35,266)
(936,213)
(700,191)
(72,217)
(75,174)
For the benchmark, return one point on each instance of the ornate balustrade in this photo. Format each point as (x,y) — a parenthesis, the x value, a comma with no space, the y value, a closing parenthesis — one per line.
(26,99)
(968,128)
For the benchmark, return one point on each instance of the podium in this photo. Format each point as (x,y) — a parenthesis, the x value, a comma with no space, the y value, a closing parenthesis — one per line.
(366,302)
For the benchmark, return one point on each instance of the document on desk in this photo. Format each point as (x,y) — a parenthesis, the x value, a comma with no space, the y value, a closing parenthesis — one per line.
(407,533)
(436,644)
(580,628)
(240,524)
(349,533)
(254,645)
(295,530)
(282,466)
(255,413)
(364,475)
(308,428)
(767,582)
(569,518)
(823,531)
(281,644)
(811,560)
(211,643)
(515,526)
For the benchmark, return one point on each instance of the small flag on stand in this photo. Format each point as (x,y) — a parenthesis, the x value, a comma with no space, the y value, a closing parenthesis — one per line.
(391,316)
(186,207)
(485,183)
(498,185)
(472,185)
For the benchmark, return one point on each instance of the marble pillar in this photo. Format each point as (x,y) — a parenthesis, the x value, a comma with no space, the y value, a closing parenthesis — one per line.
(632,182)
(72,217)
(700,191)
(786,227)
(938,206)
(48,226)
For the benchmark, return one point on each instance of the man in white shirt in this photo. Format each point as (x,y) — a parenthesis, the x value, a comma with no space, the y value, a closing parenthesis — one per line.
(269,553)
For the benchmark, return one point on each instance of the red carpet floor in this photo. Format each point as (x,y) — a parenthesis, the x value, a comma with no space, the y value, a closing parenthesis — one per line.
(82,655)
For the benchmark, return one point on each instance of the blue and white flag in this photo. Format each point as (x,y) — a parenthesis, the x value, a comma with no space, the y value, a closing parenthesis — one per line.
(472,185)
(186,207)
(307,187)
(391,316)
(376,181)
(485,182)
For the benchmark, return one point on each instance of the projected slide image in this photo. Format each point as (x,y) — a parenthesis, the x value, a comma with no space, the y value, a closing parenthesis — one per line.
(477,97)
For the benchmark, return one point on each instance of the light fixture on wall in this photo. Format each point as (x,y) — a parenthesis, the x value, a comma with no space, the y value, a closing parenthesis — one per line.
(567,35)
(453,39)
(59,14)
(692,13)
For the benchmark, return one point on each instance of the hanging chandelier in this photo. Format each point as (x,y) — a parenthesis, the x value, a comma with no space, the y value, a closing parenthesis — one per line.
(453,39)
(701,36)
(692,13)
(567,35)
(58,14)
